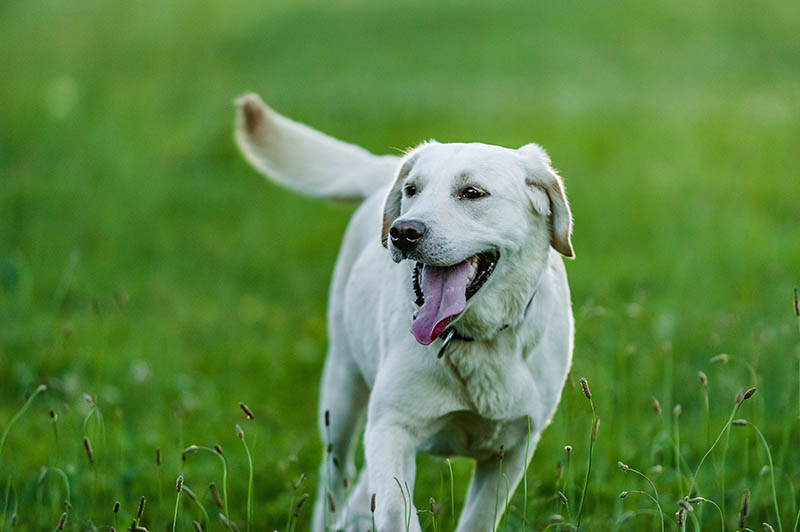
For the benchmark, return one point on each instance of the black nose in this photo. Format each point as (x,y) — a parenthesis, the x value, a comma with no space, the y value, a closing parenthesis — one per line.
(406,233)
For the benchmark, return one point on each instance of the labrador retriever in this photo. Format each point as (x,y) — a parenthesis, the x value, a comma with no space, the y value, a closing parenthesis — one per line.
(449,321)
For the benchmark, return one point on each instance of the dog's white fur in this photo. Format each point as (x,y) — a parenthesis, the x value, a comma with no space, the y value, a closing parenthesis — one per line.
(475,400)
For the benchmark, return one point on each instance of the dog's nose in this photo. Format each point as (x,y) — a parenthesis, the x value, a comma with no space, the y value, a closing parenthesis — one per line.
(406,233)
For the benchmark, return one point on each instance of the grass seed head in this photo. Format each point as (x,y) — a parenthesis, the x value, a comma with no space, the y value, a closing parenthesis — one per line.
(189,450)
(679,516)
(749,393)
(87,445)
(140,509)
(622,466)
(767,527)
(116,507)
(697,500)
(432,507)
(568,449)
(299,482)
(372,503)
(62,520)
(703,378)
(739,422)
(327,418)
(764,471)
(53,416)
(623,494)
(739,397)
(677,411)
(239,431)
(722,358)
(14,520)
(179,483)
(215,495)
(299,505)
(685,505)
(595,428)
(189,493)
(230,525)
(585,386)
(331,503)
(158,457)
(197,527)
(796,303)
(218,449)
(745,508)
(656,406)
(563,498)
(247,411)
(502,452)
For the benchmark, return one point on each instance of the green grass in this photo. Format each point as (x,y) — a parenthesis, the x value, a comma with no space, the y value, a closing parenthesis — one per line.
(144,263)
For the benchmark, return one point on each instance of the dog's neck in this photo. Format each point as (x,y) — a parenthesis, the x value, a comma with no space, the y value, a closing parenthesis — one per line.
(451,334)
(495,372)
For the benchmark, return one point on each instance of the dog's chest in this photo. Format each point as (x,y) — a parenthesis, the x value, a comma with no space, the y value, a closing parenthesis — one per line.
(495,381)
(465,433)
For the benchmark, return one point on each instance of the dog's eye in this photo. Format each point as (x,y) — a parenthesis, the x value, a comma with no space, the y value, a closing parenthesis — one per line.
(410,190)
(472,193)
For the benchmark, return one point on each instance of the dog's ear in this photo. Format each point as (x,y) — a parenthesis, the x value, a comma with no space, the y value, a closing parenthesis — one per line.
(391,207)
(549,198)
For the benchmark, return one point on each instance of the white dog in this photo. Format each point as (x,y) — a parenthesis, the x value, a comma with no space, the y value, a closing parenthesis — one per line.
(449,319)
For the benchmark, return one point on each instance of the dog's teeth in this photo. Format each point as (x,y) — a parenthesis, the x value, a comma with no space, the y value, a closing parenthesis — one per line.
(473,267)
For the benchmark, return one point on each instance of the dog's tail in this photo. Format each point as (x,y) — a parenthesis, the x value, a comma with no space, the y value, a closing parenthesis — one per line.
(307,160)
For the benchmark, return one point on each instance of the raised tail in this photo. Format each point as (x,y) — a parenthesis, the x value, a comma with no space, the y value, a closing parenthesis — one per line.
(307,160)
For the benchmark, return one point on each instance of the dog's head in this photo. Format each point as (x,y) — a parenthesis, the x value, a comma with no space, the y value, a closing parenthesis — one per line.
(478,221)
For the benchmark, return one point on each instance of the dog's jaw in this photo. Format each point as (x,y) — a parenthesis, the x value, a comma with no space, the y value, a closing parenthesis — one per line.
(442,293)
(502,300)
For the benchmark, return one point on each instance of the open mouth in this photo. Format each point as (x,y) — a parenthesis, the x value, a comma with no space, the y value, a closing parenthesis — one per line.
(442,292)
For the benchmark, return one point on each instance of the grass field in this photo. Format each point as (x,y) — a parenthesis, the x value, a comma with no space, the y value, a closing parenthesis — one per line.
(144,264)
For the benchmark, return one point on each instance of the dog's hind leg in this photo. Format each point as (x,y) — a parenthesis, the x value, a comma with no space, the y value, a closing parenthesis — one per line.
(343,399)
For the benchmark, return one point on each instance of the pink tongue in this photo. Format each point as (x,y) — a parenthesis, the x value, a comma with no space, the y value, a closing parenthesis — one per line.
(445,292)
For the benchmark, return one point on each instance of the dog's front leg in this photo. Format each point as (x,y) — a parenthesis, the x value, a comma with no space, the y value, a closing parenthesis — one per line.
(486,498)
(390,451)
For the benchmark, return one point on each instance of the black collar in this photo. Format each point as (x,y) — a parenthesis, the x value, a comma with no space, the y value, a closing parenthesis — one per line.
(451,333)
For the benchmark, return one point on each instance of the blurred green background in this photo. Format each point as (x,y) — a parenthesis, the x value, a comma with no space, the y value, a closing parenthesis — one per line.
(144,263)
